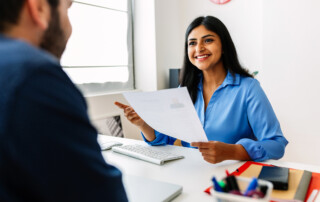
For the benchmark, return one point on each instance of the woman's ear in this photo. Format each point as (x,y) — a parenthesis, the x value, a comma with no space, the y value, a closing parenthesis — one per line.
(39,12)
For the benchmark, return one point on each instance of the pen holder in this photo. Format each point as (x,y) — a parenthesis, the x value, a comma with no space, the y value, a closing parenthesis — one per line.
(243,184)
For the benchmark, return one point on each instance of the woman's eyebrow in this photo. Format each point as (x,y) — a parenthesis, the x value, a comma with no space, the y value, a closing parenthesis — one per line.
(205,36)
(208,35)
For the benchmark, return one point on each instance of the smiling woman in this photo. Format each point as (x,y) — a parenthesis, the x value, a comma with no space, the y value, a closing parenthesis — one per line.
(235,113)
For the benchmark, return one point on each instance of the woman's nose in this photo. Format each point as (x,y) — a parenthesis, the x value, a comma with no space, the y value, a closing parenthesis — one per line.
(200,47)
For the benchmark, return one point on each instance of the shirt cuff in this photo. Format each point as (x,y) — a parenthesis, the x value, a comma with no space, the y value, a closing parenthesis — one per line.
(158,141)
(254,149)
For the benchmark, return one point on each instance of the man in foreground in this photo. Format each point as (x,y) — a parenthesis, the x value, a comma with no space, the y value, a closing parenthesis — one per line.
(48,148)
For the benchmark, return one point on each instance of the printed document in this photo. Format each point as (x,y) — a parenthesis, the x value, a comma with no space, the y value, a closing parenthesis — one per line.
(170,112)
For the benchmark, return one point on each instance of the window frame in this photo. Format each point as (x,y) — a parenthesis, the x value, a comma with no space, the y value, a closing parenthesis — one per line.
(112,87)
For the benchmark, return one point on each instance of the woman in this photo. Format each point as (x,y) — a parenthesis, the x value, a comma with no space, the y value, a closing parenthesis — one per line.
(235,113)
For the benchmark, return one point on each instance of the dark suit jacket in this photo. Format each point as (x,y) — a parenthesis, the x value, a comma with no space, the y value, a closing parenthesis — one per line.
(48,148)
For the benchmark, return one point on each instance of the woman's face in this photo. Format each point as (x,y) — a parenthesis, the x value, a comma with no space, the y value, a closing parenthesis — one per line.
(204,48)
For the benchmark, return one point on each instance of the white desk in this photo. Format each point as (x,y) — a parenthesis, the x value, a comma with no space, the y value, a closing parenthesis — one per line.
(192,172)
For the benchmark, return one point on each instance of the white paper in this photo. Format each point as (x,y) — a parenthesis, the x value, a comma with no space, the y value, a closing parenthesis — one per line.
(170,112)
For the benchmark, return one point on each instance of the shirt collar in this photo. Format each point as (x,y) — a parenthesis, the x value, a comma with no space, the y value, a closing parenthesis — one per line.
(229,80)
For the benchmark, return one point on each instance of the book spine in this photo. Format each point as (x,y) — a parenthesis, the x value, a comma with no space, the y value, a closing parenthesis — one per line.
(303,186)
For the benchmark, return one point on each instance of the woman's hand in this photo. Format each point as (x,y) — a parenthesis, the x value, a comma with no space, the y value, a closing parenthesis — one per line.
(131,115)
(215,152)
(135,119)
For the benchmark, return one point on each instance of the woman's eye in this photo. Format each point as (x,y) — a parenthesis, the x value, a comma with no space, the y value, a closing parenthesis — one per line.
(192,43)
(208,40)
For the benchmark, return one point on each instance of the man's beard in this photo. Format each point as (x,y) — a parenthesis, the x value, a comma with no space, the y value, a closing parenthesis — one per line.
(53,39)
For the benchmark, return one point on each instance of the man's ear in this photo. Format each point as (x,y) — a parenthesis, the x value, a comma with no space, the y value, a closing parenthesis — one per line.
(39,12)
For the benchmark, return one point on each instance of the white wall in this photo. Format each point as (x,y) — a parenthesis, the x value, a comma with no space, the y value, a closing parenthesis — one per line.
(169,39)
(145,45)
(291,72)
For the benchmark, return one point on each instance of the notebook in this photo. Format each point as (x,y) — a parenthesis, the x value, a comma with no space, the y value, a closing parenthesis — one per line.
(278,176)
(140,189)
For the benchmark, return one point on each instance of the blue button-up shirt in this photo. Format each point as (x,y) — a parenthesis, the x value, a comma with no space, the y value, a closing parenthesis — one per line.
(238,112)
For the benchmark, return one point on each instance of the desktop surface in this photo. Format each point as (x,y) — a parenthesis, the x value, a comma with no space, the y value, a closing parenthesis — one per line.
(142,189)
(192,173)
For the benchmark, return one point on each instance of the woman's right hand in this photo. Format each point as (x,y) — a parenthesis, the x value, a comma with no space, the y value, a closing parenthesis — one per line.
(135,119)
(130,114)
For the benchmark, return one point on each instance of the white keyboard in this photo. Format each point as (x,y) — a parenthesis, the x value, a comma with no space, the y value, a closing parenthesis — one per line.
(109,145)
(146,153)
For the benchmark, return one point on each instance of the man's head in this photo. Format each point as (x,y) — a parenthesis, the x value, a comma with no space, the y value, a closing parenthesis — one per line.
(43,23)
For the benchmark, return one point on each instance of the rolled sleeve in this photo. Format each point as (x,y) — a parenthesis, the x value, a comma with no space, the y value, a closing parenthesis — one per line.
(264,150)
(254,149)
(161,139)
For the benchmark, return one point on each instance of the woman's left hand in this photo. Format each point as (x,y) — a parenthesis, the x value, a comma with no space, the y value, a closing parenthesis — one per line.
(215,152)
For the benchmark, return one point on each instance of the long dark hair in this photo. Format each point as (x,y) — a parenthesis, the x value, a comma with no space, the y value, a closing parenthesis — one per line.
(189,76)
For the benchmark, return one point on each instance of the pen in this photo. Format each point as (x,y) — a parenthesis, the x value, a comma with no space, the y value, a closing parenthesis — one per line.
(263,189)
(223,186)
(216,185)
(227,173)
(252,186)
(232,183)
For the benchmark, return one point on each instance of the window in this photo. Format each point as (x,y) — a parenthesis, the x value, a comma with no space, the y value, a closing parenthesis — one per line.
(98,56)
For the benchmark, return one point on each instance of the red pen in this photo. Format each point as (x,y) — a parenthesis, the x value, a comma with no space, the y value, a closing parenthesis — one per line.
(227,172)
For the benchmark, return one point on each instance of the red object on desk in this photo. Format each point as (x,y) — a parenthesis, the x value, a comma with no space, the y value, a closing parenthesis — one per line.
(314,182)
(227,173)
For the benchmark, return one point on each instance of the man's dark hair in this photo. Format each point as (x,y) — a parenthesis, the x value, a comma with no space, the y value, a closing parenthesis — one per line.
(10,12)
(190,74)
